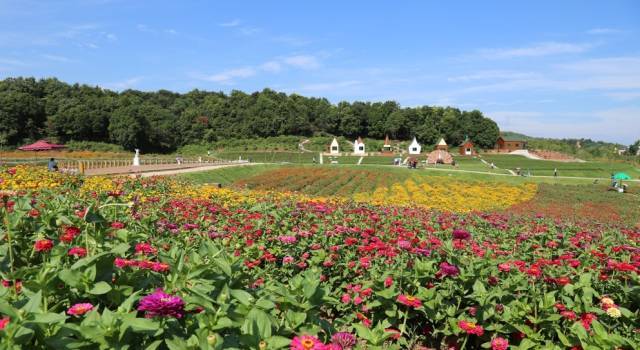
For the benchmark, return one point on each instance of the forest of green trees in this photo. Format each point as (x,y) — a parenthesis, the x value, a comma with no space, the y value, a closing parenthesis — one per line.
(162,121)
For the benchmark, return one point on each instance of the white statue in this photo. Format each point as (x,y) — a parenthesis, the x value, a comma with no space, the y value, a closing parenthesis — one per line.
(136,158)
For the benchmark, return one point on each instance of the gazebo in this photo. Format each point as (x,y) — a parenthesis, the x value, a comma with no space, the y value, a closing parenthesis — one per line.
(41,145)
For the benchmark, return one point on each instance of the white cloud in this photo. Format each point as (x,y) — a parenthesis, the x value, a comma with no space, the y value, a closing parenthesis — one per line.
(111,37)
(124,84)
(271,66)
(249,30)
(617,125)
(11,62)
(143,28)
(171,31)
(332,86)
(302,61)
(535,50)
(625,96)
(57,58)
(228,76)
(233,23)
(492,74)
(598,31)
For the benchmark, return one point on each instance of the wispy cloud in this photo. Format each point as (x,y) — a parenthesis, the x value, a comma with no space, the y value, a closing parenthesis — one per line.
(602,31)
(492,74)
(271,66)
(302,61)
(124,84)
(624,95)
(617,124)
(329,86)
(57,58)
(227,77)
(535,50)
(12,62)
(171,31)
(232,23)
(143,28)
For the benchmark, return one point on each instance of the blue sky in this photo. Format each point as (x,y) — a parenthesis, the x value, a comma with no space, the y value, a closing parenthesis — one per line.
(544,68)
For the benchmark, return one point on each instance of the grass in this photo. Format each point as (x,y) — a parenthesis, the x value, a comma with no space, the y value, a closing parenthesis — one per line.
(593,169)
(227,176)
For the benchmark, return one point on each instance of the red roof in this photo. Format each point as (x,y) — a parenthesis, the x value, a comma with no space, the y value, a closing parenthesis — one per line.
(41,145)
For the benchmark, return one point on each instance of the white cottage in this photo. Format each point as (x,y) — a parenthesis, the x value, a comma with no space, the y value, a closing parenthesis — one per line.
(414,147)
(358,147)
(334,148)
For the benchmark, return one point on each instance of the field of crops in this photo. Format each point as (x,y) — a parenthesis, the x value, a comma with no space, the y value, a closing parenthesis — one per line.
(158,264)
(545,167)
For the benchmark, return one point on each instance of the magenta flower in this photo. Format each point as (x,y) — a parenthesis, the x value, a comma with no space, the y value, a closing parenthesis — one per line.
(344,340)
(449,269)
(461,234)
(161,304)
(306,342)
(80,309)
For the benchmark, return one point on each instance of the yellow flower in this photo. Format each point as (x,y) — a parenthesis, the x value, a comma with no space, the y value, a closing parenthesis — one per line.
(614,312)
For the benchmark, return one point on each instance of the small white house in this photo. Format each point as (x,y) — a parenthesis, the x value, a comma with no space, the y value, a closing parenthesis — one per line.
(414,147)
(334,148)
(358,147)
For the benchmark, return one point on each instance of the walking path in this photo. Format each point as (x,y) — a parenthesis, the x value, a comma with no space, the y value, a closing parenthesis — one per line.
(160,169)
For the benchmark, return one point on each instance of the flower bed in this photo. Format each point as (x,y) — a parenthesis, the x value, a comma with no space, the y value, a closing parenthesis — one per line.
(150,264)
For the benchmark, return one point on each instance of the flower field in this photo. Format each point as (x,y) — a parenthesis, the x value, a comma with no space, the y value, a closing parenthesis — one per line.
(369,187)
(119,263)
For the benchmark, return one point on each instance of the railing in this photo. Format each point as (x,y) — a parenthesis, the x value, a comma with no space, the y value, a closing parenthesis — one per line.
(81,165)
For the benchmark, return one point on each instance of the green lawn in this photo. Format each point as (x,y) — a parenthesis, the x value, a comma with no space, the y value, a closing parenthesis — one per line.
(229,175)
(545,167)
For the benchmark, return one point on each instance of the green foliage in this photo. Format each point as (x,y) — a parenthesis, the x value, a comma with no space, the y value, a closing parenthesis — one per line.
(164,121)
(93,146)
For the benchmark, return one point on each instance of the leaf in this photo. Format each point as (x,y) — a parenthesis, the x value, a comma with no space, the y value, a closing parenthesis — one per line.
(243,297)
(154,345)
(223,265)
(33,305)
(364,332)
(478,288)
(265,304)
(176,343)
(100,288)
(141,324)
(295,319)
(278,342)
(563,338)
(70,277)
(120,249)
(585,279)
(48,318)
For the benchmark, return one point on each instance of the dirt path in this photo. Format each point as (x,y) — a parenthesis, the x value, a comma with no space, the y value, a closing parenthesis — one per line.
(191,170)
(160,169)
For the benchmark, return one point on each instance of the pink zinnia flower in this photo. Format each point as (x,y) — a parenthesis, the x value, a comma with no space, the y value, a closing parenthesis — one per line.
(409,300)
(287,260)
(161,304)
(80,309)
(78,252)
(449,269)
(43,245)
(471,328)
(306,342)
(146,249)
(4,322)
(346,298)
(117,225)
(499,344)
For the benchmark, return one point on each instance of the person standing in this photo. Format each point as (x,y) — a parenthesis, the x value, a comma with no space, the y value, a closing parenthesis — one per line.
(555,172)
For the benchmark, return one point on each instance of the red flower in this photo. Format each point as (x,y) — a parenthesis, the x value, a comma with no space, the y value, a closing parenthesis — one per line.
(409,300)
(77,252)
(586,319)
(471,327)
(388,281)
(34,213)
(43,245)
(563,281)
(4,322)
(568,314)
(80,309)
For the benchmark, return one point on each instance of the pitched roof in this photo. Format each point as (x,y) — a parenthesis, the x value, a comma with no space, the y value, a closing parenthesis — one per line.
(386,140)
(509,138)
(41,145)
(441,142)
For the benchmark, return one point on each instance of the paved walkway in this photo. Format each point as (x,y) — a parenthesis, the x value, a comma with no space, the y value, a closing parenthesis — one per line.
(159,169)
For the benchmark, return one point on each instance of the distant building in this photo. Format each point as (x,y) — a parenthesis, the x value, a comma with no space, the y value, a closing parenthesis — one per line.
(505,144)
(334,148)
(439,156)
(386,148)
(467,148)
(442,145)
(358,147)
(414,147)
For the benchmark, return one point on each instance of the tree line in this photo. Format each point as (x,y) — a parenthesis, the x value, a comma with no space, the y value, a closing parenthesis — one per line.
(162,121)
